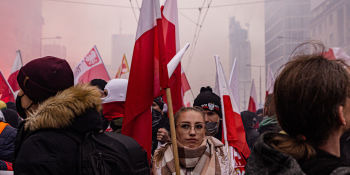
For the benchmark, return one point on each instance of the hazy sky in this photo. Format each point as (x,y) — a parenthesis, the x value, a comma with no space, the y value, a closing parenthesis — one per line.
(81,26)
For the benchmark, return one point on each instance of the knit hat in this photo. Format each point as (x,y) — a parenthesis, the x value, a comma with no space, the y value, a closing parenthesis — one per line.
(207,100)
(44,77)
(2,105)
(160,102)
(116,89)
(101,84)
(11,117)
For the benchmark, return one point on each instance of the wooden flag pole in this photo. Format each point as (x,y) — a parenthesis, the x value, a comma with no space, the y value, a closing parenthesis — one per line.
(172,130)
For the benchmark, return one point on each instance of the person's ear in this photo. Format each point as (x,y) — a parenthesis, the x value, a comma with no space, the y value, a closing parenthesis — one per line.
(341,115)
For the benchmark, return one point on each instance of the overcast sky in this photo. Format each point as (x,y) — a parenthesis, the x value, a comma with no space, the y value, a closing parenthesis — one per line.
(81,26)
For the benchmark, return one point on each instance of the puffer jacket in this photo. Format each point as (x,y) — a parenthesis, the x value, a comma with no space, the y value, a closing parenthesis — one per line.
(7,141)
(42,145)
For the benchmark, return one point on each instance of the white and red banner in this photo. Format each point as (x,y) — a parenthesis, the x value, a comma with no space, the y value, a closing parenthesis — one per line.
(270,81)
(90,67)
(6,92)
(234,134)
(12,79)
(337,53)
(252,106)
(123,69)
(234,83)
(144,76)
(170,26)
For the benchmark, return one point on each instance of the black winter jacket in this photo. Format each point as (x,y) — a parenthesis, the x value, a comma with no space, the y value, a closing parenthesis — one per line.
(43,146)
(265,160)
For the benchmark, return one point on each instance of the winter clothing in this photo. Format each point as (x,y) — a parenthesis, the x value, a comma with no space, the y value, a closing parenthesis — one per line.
(208,158)
(11,105)
(207,100)
(38,78)
(158,121)
(11,117)
(345,147)
(43,143)
(269,124)
(7,142)
(160,102)
(2,105)
(249,120)
(114,103)
(99,83)
(265,160)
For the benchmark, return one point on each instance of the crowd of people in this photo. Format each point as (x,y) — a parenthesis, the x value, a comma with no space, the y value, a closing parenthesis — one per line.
(303,127)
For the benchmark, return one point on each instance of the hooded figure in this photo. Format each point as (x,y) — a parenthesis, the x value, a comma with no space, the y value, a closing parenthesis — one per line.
(114,103)
(53,108)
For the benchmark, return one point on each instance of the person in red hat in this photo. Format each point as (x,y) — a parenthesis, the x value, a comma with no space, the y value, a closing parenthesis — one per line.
(51,106)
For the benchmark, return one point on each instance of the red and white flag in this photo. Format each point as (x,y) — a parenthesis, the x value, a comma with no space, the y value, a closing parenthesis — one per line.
(252,99)
(234,83)
(12,79)
(234,134)
(170,27)
(90,67)
(6,92)
(184,82)
(123,68)
(270,81)
(337,53)
(144,76)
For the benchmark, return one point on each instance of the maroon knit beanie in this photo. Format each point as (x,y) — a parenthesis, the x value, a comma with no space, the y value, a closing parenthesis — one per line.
(44,77)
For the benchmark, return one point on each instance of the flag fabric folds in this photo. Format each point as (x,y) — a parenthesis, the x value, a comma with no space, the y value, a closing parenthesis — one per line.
(123,69)
(234,134)
(90,67)
(252,99)
(234,83)
(12,79)
(144,76)
(6,93)
(170,26)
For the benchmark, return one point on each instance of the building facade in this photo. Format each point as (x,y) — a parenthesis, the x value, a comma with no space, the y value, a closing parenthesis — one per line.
(286,26)
(241,50)
(330,23)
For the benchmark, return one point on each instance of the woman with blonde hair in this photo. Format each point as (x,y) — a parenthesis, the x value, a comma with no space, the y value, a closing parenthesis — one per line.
(198,154)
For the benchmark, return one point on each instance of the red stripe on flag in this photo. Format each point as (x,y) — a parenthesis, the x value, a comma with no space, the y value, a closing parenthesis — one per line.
(252,105)
(235,129)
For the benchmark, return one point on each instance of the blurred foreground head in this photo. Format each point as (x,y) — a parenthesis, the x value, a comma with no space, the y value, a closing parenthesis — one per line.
(311,96)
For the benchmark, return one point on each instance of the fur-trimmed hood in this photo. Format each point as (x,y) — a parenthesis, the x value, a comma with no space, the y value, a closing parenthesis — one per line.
(60,110)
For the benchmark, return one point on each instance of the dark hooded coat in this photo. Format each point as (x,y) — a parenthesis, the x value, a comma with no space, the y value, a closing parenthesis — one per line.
(43,146)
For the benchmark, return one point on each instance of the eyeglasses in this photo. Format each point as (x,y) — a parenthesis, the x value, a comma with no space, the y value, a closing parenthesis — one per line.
(187,127)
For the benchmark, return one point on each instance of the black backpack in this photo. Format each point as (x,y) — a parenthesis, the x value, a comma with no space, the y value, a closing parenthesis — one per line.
(110,153)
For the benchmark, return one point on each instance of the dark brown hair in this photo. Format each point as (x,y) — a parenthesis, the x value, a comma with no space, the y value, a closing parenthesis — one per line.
(307,95)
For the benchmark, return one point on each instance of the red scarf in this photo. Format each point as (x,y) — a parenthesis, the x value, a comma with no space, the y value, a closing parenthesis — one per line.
(113,110)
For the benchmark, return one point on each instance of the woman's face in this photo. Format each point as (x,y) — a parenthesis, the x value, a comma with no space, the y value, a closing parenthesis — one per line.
(190,129)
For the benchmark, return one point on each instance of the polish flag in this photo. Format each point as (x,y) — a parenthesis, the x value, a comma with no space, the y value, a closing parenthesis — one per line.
(337,53)
(252,99)
(184,82)
(6,92)
(170,27)
(123,68)
(234,83)
(144,76)
(270,81)
(234,134)
(90,67)
(12,79)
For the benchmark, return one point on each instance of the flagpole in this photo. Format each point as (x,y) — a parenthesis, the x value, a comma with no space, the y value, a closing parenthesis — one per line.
(172,130)
(8,85)
(98,53)
(223,115)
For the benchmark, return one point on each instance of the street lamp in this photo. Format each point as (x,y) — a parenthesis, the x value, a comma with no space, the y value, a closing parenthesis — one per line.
(258,66)
(47,38)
